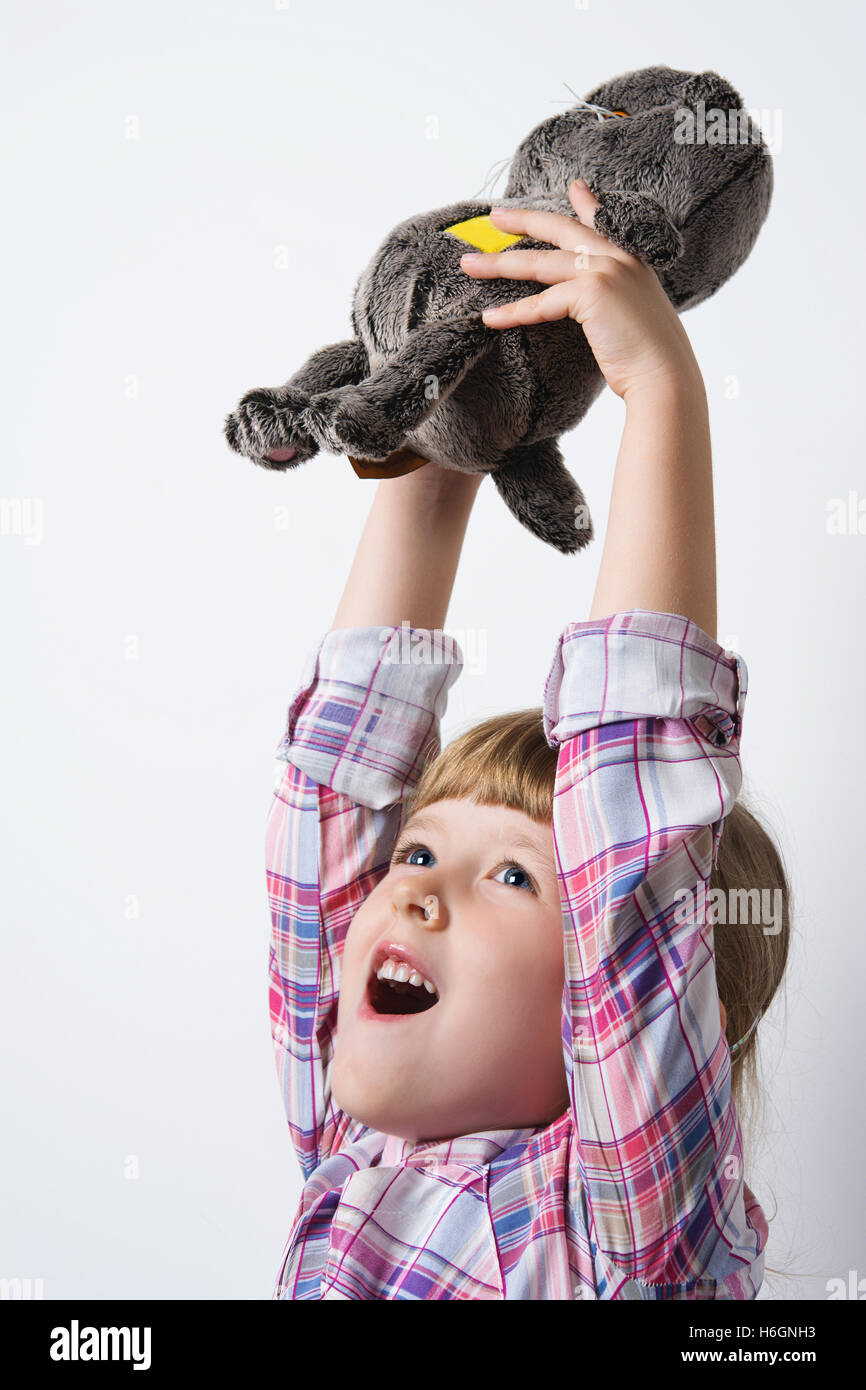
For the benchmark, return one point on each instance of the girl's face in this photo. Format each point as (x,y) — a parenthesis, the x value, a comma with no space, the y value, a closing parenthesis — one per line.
(488,1053)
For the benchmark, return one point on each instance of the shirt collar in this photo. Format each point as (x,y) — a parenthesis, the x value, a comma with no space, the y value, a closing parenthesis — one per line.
(469,1150)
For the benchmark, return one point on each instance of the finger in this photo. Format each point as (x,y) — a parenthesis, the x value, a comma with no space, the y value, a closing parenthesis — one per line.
(556,228)
(551,304)
(583,201)
(548,267)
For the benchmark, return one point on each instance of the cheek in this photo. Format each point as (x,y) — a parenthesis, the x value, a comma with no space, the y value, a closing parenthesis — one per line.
(545,968)
(523,968)
(364,930)
(360,938)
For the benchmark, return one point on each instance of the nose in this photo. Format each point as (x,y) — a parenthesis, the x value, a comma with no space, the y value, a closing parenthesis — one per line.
(411,898)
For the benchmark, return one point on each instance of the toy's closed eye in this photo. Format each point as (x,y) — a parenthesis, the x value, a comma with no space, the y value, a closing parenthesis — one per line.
(602,112)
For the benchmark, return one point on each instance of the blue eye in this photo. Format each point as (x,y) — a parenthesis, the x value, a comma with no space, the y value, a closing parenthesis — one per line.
(510,868)
(403,855)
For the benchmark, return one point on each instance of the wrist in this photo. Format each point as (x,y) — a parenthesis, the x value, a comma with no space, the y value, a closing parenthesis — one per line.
(433,486)
(674,386)
(449,482)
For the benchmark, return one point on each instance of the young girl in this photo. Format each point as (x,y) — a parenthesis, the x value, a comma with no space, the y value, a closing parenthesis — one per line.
(500,1030)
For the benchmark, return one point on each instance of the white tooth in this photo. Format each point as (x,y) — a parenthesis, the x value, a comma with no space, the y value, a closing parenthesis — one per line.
(386,971)
(401,973)
(431,989)
(415,978)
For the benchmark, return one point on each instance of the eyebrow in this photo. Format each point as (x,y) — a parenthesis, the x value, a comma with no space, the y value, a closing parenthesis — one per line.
(517,840)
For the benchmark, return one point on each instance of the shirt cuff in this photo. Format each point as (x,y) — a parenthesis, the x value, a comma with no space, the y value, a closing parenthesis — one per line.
(640,664)
(365,718)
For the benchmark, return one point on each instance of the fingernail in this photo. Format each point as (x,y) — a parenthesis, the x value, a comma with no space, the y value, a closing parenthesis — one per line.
(472,256)
(491,313)
(580,183)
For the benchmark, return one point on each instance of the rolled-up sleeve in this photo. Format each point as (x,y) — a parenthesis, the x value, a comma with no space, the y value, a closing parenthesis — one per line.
(365,717)
(641,663)
(361,725)
(646,712)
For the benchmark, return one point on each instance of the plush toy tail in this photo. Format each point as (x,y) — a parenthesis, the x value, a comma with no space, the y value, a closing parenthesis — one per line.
(536,486)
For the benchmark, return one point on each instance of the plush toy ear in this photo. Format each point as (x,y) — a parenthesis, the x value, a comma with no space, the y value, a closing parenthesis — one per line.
(712,90)
(638,224)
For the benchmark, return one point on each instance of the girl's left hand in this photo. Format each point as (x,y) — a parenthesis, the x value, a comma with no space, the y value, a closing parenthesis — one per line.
(630,324)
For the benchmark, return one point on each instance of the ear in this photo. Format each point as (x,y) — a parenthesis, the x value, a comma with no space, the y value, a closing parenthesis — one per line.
(712,90)
(723,1016)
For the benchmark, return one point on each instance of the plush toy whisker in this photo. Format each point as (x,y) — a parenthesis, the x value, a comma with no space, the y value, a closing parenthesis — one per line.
(600,111)
(490,180)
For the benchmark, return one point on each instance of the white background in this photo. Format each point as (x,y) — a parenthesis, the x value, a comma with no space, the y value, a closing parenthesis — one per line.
(161,162)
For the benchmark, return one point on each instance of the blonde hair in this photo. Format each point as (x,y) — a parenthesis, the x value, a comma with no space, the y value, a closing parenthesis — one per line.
(507,761)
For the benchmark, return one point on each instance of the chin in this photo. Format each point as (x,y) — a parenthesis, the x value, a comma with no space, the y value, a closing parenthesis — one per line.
(366,1108)
(380,1112)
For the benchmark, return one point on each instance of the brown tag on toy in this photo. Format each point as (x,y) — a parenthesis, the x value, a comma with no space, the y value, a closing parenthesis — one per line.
(394,466)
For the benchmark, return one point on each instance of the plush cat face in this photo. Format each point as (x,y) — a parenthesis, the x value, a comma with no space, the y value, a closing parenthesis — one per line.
(684,141)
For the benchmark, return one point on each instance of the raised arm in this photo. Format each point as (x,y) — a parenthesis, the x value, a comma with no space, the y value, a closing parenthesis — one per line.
(359,730)
(407,556)
(646,711)
(660,545)
(659,549)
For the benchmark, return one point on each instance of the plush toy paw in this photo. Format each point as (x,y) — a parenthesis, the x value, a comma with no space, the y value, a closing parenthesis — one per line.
(638,224)
(346,421)
(265,428)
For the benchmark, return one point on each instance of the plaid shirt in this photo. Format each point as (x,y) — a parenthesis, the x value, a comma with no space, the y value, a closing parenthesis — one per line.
(637,1190)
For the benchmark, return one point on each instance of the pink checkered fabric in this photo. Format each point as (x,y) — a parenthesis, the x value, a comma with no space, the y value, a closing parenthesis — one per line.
(637,1190)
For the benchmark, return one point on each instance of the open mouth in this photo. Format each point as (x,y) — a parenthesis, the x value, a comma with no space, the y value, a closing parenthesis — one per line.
(390,996)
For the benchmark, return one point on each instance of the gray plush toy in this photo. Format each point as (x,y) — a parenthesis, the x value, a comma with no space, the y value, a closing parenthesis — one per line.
(684,181)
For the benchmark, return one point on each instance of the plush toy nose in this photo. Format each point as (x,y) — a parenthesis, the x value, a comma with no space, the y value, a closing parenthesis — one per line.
(712,90)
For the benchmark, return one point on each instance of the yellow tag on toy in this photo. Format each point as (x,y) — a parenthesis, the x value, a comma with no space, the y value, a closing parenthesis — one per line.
(481,232)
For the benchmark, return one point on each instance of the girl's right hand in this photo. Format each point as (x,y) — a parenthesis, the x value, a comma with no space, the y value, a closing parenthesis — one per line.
(630,324)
